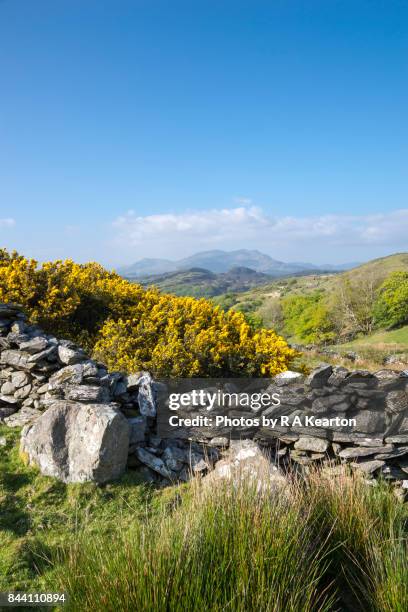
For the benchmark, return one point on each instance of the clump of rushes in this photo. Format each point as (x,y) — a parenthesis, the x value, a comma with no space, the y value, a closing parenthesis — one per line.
(228,548)
(322,544)
(366,527)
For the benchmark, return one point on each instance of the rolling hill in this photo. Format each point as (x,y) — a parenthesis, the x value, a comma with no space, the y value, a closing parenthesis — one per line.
(379,268)
(199,282)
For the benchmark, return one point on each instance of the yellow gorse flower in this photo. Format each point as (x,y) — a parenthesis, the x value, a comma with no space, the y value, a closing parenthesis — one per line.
(132,328)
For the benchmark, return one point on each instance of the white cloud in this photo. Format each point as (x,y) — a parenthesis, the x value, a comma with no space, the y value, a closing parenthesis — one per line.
(177,235)
(7,222)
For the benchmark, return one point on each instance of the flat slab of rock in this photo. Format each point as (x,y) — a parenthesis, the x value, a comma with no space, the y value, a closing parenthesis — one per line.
(369,467)
(357,451)
(315,445)
(153,462)
(87,393)
(78,442)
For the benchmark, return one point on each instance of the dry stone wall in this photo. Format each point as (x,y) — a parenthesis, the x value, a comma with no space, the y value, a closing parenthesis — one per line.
(81,422)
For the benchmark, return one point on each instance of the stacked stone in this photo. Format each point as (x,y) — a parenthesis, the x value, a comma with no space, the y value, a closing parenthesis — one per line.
(377,446)
(81,422)
(40,372)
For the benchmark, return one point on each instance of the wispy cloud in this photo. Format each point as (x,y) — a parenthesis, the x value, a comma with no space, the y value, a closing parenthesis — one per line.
(251,227)
(8,222)
(243,201)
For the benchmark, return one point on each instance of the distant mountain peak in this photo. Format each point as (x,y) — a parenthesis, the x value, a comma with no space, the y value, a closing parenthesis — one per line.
(219,261)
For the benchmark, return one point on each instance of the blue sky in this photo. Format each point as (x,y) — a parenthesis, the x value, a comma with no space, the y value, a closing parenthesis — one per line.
(135,129)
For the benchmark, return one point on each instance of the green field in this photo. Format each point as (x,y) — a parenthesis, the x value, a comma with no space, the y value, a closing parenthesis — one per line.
(394,340)
(327,543)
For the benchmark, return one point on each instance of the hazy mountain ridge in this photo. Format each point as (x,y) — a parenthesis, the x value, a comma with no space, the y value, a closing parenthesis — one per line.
(199,282)
(219,261)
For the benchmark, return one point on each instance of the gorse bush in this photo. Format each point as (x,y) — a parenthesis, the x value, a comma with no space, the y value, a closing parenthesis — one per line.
(132,328)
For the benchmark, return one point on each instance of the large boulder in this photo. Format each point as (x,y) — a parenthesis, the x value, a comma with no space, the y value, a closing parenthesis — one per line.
(78,442)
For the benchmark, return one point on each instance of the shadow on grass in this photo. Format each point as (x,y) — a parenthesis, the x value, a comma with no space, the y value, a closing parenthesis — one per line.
(13,516)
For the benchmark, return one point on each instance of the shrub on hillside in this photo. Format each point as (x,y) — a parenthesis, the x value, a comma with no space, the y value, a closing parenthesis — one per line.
(133,328)
(391,307)
(307,318)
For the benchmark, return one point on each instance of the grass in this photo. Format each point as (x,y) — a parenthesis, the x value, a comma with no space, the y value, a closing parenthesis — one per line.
(329,543)
(38,515)
(394,340)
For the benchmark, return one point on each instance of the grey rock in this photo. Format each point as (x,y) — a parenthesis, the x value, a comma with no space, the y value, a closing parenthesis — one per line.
(369,422)
(119,388)
(397,401)
(87,393)
(9,310)
(132,381)
(77,442)
(48,353)
(22,417)
(245,462)
(89,368)
(7,388)
(3,441)
(146,474)
(44,388)
(14,358)
(359,378)
(316,445)
(319,377)
(338,376)
(174,465)
(369,467)
(145,398)
(18,327)
(9,399)
(35,345)
(155,441)
(72,374)
(153,462)
(23,392)
(338,402)
(173,453)
(394,453)
(397,439)
(199,466)
(138,427)
(69,356)
(362,440)
(20,379)
(357,451)
(288,377)
(219,441)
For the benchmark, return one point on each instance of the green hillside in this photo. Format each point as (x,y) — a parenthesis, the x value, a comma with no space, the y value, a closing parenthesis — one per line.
(328,308)
(318,282)
(199,282)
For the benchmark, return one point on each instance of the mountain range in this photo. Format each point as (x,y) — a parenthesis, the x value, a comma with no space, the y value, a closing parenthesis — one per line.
(218,261)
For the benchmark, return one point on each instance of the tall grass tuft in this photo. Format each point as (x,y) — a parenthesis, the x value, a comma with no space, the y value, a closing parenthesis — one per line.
(322,544)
